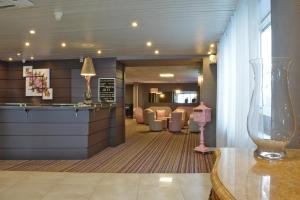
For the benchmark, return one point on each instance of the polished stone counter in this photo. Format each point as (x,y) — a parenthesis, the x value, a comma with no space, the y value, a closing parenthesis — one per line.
(59,106)
(238,175)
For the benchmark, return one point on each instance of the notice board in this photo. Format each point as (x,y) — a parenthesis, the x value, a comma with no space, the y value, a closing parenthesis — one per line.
(107,90)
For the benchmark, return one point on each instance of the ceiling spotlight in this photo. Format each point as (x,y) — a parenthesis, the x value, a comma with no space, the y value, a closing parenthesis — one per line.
(32,32)
(31,58)
(18,54)
(63,44)
(166,75)
(10,59)
(212,45)
(209,52)
(58,14)
(99,52)
(149,44)
(156,52)
(27,44)
(134,24)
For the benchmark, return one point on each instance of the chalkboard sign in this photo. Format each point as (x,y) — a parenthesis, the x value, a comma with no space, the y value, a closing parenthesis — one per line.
(107,90)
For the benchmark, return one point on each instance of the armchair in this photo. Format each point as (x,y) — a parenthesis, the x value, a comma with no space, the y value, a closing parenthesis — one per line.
(175,123)
(154,125)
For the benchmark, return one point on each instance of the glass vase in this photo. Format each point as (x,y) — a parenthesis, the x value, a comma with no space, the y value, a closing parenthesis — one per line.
(271,122)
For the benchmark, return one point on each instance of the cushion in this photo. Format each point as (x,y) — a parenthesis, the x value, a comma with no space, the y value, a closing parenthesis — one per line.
(160,114)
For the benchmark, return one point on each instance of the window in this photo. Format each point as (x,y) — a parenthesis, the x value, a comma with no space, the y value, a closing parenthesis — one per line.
(266,54)
(185,97)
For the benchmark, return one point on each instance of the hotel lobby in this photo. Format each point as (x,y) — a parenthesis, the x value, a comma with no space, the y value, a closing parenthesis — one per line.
(139,99)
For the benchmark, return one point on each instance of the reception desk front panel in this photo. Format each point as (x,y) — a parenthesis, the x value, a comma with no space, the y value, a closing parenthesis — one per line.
(53,132)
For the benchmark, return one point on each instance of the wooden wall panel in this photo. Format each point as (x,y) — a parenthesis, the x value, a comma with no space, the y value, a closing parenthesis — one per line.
(13,85)
(68,87)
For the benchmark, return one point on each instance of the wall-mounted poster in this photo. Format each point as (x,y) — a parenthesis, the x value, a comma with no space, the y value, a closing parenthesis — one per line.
(107,90)
(38,82)
(48,94)
(27,71)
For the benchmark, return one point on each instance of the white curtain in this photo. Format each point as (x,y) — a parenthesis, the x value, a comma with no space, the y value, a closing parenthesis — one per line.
(238,45)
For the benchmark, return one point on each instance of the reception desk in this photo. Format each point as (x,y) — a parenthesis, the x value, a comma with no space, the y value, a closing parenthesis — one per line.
(53,131)
(237,175)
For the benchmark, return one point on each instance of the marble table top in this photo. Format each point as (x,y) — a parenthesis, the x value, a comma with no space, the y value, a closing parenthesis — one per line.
(238,175)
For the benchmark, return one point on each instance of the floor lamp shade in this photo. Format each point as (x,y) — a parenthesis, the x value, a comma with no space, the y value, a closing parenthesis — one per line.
(88,68)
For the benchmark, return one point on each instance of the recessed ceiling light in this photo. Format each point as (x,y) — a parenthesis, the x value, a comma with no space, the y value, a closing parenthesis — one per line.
(99,52)
(134,24)
(10,59)
(209,52)
(27,44)
(166,75)
(149,44)
(32,32)
(156,52)
(212,45)
(63,44)
(31,58)
(18,54)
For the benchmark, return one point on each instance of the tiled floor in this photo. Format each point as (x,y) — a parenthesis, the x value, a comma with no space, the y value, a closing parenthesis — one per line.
(94,186)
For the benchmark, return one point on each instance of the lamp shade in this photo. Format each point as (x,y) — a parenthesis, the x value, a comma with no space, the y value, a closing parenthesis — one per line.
(88,68)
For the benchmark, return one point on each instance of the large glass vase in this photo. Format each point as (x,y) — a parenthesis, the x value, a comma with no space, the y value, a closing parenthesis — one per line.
(271,123)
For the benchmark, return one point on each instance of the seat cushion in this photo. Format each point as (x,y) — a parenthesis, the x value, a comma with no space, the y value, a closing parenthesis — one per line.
(160,114)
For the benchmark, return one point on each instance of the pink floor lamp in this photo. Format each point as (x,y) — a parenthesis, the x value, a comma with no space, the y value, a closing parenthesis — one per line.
(202,115)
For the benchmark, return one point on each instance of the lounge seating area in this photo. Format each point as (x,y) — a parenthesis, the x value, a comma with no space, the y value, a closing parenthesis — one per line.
(160,118)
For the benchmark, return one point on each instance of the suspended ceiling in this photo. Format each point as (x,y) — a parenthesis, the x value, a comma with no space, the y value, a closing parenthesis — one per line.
(175,27)
(150,74)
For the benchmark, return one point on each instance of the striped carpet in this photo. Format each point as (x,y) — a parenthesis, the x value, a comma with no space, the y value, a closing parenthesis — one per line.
(143,152)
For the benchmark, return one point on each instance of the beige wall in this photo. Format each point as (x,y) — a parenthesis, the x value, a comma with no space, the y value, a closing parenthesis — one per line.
(286,42)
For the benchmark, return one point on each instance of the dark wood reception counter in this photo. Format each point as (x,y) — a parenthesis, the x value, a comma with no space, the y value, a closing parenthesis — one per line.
(53,131)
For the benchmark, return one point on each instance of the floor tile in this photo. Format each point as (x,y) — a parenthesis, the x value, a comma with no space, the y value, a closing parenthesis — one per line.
(158,180)
(196,179)
(106,186)
(44,177)
(28,191)
(70,192)
(160,193)
(115,192)
(120,179)
(195,192)
(9,178)
(81,178)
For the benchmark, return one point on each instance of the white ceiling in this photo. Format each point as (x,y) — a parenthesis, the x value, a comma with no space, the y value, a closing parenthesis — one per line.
(176,27)
(182,74)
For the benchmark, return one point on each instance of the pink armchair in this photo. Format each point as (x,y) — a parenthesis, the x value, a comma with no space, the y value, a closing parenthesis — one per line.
(138,112)
(175,123)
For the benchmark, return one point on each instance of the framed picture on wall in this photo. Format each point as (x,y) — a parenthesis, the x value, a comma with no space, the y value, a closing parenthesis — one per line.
(27,71)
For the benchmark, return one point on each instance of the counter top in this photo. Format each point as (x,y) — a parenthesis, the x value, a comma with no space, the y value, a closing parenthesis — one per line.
(62,106)
(238,175)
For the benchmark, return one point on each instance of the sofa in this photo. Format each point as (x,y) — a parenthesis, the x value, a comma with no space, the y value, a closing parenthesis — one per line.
(155,109)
